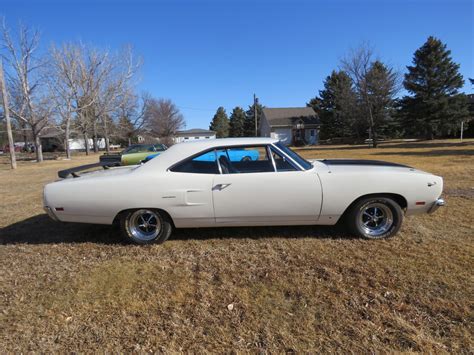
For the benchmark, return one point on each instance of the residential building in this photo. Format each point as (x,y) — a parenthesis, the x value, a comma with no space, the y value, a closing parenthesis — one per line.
(291,125)
(194,134)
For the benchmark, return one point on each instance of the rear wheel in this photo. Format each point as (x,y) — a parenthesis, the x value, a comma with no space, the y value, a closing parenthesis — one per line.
(375,218)
(145,226)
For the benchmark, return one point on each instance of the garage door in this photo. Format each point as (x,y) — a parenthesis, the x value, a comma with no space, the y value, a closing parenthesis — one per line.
(283,135)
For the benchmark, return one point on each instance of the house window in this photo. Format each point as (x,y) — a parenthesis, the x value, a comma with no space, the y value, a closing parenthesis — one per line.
(186,137)
(312,133)
(196,137)
(208,137)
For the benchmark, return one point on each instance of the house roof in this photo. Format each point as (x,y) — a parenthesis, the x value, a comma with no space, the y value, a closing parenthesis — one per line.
(287,116)
(195,131)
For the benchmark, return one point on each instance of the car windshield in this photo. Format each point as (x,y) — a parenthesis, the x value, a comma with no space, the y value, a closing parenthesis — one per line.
(160,147)
(306,165)
(140,148)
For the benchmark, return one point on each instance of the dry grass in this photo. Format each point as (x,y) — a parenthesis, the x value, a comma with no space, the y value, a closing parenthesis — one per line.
(68,287)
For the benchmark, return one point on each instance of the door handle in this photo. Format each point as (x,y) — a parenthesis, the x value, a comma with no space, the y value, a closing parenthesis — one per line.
(220,187)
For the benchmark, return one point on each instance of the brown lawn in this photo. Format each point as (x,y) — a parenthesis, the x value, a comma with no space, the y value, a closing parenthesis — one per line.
(68,287)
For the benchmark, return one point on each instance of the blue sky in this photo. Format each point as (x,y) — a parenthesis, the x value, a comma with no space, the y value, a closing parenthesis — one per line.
(205,54)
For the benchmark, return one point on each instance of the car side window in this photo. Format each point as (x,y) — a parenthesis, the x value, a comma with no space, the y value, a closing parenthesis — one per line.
(281,162)
(244,160)
(205,163)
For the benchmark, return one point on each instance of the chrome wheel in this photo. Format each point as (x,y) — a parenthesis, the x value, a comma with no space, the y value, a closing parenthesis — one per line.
(144,225)
(375,219)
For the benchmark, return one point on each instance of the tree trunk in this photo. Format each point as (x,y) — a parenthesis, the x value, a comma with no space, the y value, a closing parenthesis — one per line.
(66,140)
(129,141)
(94,144)
(25,137)
(86,143)
(94,138)
(38,147)
(430,133)
(374,137)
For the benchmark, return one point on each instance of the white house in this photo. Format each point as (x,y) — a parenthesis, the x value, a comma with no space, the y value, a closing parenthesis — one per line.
(194,134)
(291,125)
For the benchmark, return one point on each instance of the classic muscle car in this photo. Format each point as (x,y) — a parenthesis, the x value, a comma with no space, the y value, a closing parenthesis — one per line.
(195,184)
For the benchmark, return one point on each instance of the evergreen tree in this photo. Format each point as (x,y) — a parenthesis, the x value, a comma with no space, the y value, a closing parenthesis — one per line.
(336,106)
(220,123)
(435,106)
(249,129)
(237,122)
(382,85)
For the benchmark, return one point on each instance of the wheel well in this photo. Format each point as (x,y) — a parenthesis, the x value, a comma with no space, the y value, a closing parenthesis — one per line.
(402,202)
(163,212)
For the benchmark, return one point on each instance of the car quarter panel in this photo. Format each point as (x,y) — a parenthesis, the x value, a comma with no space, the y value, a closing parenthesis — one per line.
(342,185)
(99,200)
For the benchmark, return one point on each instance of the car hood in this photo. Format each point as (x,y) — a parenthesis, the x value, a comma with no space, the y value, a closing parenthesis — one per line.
(365,166)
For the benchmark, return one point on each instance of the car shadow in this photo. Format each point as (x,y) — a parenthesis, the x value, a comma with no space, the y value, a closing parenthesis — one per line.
(41,229)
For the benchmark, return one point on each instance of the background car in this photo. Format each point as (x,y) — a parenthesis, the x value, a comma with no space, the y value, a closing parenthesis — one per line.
(233,156)
(134,154)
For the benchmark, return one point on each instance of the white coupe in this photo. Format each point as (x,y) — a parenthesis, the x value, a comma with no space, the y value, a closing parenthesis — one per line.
(243,182)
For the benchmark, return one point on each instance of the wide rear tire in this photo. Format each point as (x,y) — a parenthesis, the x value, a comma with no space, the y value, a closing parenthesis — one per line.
(145,226)
(375,218)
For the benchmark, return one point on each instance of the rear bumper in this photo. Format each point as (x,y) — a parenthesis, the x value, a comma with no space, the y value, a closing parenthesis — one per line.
(437,204)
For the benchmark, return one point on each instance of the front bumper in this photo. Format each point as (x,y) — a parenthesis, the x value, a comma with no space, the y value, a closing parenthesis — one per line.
(50,213)
(437,204)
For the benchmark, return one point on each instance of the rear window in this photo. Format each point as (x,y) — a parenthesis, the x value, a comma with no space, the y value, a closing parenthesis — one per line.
(202,164)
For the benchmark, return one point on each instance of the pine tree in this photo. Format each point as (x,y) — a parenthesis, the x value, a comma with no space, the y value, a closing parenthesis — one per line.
(220,123)
(237,122)
(382,85)
(336,106)
(250,120)
(435,106)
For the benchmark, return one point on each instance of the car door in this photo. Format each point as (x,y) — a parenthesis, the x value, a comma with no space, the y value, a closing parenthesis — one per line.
(264,190)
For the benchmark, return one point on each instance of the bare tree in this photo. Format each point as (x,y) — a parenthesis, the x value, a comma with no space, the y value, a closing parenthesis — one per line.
(130,114)
(32,105)
(357,64)
(65,85)
(164,119)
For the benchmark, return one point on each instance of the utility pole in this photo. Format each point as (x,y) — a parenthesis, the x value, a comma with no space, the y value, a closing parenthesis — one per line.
(3,89)
(255,101)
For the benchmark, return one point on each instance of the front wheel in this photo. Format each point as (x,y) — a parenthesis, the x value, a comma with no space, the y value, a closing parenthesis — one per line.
(375,218)
(145,226)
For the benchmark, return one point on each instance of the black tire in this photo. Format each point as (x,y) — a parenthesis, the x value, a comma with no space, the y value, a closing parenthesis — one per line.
(132,233)
(375,217)
(246,158)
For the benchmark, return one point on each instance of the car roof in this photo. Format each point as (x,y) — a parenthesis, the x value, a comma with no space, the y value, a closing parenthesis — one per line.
(181,151)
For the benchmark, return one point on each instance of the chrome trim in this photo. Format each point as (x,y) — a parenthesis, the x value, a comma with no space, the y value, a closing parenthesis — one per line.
(50,213)
(218,162)
(290,160)
(269,152)
(437,204)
